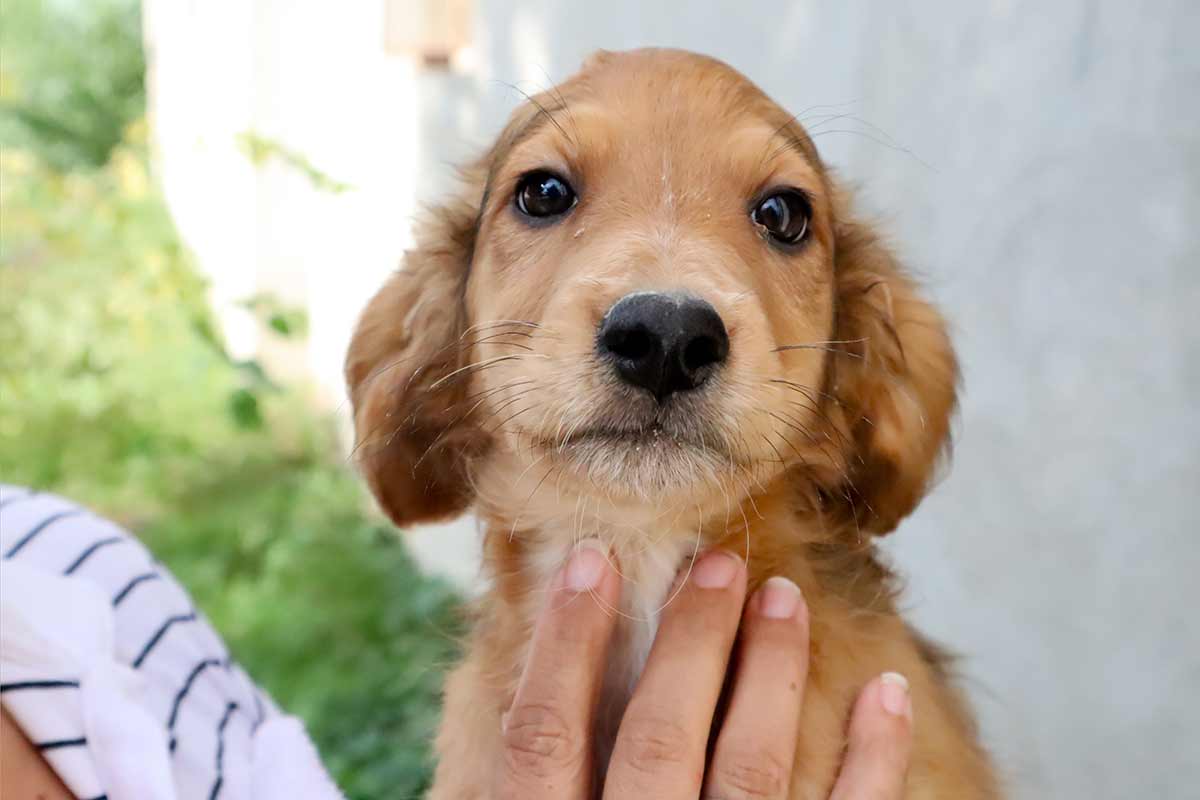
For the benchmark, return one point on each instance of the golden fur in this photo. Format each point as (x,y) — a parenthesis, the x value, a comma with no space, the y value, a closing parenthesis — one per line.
(474,382)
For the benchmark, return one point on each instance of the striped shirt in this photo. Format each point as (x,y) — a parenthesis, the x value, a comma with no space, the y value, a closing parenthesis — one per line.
(116,678)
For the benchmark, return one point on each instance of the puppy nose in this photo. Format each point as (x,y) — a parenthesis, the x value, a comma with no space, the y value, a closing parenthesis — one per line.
(663,343)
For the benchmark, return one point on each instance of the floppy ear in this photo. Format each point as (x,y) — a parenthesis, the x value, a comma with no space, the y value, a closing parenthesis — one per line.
(896,389)
(413,442)
(409,441)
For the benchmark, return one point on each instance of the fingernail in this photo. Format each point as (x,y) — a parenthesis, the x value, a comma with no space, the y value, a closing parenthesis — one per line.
(894,695)
(778,598)
(586,566)
(715,570)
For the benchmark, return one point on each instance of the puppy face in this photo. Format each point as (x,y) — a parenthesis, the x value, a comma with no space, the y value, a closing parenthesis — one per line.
(662,236)
(652,292)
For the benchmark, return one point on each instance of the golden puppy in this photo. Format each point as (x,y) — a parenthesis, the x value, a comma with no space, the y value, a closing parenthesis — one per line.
(651,318)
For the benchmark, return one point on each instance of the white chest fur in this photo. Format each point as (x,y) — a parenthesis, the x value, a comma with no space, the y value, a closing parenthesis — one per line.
(648,571)
(649,577)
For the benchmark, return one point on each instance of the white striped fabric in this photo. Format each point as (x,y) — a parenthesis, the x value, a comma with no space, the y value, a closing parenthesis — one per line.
(119,682)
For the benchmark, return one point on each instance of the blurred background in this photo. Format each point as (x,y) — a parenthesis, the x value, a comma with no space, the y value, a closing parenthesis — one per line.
(199,197)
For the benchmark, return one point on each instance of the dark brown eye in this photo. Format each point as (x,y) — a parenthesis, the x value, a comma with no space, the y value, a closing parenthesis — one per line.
(543,194)
(784,215)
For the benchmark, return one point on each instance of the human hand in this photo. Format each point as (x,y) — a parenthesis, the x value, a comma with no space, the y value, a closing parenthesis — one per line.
(661,745)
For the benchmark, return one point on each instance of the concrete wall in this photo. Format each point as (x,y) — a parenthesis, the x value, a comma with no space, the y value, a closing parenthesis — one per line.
(1038,163)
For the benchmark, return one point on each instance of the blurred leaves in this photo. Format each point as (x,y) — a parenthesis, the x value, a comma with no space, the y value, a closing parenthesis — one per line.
(71,79)
(116,390)
(275,315)
(243,405)
(262,150)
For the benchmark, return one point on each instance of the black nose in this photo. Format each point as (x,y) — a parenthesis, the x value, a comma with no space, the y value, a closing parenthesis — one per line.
(663,343)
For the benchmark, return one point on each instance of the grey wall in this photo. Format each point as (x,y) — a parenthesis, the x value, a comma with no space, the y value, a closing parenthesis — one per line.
(1050,200)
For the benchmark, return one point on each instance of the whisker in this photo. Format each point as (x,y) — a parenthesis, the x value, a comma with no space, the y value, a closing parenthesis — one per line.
(487,362)
(495,323)
(459,343)
(823,346)
(829,118)
(541,110)
(493,337)
(691,562)
(556,92)
(806,390)
(512,400)
(798,118)
(499,427)
(794,425)
(494,389)
(879,141)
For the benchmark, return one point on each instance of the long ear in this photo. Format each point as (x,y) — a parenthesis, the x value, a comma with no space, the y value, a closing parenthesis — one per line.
(410,444)
(412,440)
(897,386)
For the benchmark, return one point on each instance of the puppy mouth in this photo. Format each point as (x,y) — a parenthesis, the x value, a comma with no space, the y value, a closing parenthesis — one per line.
(654,432)
(668,430)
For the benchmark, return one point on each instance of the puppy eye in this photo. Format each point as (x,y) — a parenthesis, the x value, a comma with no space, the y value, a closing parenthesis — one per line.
(784,215)
(544,194)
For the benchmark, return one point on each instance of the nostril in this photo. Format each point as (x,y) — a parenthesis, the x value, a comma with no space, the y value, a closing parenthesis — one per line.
(700,352)
(632,343)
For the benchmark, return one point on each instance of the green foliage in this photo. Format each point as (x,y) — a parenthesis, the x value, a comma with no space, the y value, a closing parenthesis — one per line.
(262,150)
(279,318)
(72,77)
(116,390)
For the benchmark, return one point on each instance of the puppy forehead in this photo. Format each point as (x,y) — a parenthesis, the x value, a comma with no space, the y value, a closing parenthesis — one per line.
(691,143)
(651,110)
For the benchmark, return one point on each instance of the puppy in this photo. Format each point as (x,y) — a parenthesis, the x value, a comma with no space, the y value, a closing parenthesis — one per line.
(652,318)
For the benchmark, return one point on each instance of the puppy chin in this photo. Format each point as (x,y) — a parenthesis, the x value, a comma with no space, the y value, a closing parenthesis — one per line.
(634,449)
(654,467)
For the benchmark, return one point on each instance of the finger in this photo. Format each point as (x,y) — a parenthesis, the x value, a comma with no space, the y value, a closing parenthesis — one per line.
(660,745)
(880,742)
(757,743)
(547,752)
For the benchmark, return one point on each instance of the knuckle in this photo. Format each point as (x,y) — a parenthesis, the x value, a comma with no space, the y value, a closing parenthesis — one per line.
(538,742)
(654,744)
(745,775)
